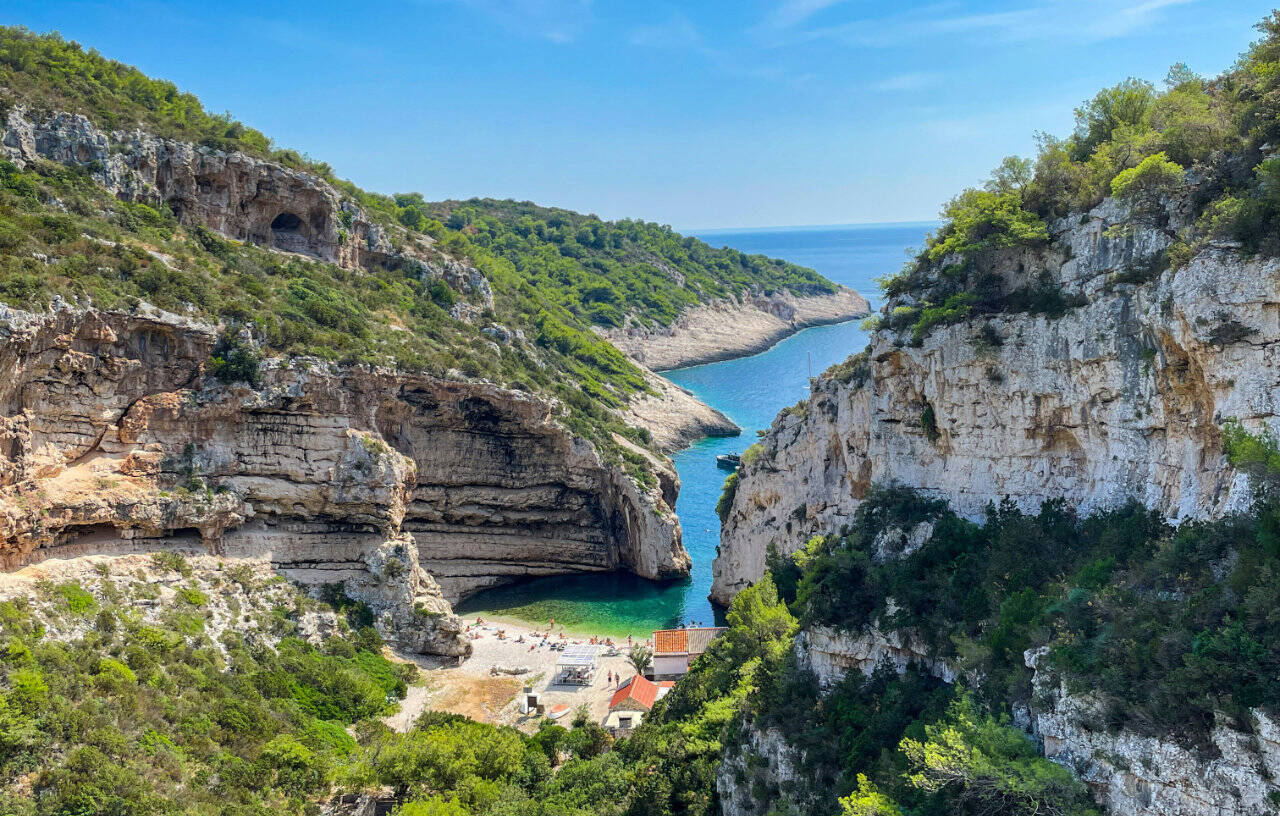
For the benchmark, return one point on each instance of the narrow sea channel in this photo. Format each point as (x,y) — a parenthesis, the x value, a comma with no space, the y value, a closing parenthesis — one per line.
(751,391)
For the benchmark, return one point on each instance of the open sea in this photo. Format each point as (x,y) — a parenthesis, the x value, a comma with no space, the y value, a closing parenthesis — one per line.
(751,391)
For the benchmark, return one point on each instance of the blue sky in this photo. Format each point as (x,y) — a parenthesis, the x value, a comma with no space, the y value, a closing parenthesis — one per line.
(697,114)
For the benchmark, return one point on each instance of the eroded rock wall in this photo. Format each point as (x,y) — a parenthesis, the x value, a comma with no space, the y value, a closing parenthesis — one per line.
(237,195)
(1236,774)
(111,438)
(1117,399)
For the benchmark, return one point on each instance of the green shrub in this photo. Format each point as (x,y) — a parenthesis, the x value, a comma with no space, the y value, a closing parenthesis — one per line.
(727,494)
(77,600)
(234,360)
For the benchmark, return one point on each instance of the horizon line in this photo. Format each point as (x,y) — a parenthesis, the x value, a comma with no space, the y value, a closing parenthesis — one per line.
(797,227)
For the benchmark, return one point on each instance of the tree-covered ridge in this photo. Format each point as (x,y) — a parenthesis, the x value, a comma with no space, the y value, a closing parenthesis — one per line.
(605,271)
(1204,147)
(600,271)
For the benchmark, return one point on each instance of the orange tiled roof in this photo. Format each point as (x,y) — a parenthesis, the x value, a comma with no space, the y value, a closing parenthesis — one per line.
(671,641)
(638,689)
(692,640)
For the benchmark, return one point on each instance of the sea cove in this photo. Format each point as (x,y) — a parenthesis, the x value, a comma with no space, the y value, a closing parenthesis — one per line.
(751,391)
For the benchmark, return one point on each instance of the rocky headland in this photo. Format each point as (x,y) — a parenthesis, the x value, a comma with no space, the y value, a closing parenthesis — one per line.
(734,327)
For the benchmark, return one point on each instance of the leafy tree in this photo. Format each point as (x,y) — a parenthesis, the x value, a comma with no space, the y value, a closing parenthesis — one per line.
(1097,120)
(1012,176)
(867,800)
(1146,185)
(982,219)
(993,767)
(640,657)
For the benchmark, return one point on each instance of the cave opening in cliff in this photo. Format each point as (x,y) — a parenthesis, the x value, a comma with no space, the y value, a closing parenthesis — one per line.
(289,233)
(286,222)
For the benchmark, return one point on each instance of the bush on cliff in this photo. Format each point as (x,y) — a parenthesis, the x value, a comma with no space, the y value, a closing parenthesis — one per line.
(1132,141)
(1169,625)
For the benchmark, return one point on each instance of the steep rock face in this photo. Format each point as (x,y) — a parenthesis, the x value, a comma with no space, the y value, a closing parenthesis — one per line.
(112,439)
(1134,775)
(831,653)
(1128,773)
(757,771)
(1117,399)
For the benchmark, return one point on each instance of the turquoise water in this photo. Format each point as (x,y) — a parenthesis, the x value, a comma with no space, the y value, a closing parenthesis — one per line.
(751,391)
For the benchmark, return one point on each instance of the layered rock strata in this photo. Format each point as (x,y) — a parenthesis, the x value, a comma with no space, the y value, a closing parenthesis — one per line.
(407,489)
(1116,399)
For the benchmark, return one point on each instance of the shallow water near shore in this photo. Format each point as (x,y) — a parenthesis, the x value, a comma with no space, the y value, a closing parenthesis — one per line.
(751,391)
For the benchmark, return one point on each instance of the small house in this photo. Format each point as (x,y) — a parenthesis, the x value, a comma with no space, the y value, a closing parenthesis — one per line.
(675,649)
(633,700)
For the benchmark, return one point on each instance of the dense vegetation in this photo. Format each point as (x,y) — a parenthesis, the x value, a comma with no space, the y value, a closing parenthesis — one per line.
(1168,625)
(604,271)
(161,715)
(157,713)
(907,741)
(191,689)
(1197,145)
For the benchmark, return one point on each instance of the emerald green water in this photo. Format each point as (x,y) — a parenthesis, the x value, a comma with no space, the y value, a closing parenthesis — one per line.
(751,391)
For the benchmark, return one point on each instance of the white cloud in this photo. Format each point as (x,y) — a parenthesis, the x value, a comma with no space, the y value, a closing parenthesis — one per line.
(791,13)
(1078,20)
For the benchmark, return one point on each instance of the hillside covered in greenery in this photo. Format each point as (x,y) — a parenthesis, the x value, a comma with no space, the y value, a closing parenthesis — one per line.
(1202,148)
(554,274)
(166,714)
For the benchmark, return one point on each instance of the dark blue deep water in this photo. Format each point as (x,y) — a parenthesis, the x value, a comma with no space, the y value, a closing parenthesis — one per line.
(750,391)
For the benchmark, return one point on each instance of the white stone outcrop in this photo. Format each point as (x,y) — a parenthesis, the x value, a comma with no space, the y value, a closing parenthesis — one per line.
(831,653)
(1134,775)
(762,762)
(1117,399)
(733,327)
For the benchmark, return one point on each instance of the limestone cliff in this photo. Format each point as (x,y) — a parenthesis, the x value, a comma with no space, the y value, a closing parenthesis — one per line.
(1139,775)
(1129,773)
(410,490)
(1120,397)
(239,196)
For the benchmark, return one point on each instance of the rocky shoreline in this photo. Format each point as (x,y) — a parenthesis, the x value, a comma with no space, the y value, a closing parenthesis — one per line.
(731,328)
(675,417)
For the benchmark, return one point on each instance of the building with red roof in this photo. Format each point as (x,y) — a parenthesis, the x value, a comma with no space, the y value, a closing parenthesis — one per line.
(675,649)
(632,701)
